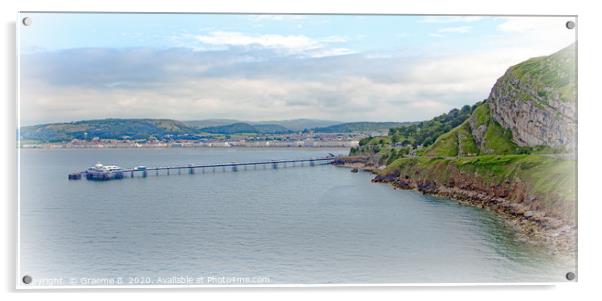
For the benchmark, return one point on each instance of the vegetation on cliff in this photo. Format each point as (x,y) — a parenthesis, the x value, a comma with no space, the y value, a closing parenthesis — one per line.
(541,181)
(426,132)
(509,149)
(553,74)
(478,135)
(405,140)
(536,100)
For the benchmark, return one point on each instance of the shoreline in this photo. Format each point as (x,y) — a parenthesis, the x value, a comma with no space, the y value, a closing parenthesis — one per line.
(531,226)
(187,147)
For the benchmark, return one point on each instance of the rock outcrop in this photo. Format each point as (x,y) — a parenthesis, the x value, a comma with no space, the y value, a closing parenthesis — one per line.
(536,100)
(513,155)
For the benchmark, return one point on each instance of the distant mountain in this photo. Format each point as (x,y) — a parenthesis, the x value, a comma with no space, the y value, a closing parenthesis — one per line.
(243,127)
(160,128)
(208,122)
(359,127)
(105,129)
(293,124)
(300,124)
(271,129)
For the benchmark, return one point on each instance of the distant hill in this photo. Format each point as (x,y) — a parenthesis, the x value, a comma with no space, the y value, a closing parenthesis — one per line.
(271,129)
(243,127)
(301,124)
(208,122)
(359,127)
(105,129)
(160,128)
(293,124)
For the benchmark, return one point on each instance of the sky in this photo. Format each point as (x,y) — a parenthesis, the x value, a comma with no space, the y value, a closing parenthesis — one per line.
(268,67)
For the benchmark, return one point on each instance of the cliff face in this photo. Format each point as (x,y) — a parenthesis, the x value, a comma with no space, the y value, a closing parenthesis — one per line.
(536,100)
(532,105)
(500,157)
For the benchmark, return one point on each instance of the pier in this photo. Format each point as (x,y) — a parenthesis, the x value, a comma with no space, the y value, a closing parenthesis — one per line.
(100,172)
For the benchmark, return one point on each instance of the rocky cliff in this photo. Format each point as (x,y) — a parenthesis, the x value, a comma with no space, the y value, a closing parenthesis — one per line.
(533,105)
(512,155)
(536,100)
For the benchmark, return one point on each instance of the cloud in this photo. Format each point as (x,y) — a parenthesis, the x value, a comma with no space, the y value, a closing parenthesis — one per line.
(457,29)
(249,85)
(349,98)
(268,40)
(272,76)
(450,19)
(537,35)
(258,18)
(288,44)
(524,25)
(436,35)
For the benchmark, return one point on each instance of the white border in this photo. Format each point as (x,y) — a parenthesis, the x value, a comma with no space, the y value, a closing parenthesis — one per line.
(21,286)
(18,106)
(259,286)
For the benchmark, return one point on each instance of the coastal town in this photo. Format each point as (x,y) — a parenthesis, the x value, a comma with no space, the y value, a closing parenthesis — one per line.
(334,140)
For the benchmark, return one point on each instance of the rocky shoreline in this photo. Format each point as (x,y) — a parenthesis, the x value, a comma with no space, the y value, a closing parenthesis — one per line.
(532,226)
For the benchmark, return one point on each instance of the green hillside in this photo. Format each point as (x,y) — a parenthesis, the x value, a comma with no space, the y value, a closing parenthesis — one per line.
(300,124)
(104,129)
(488,138)
(359,127)
(208,122)
(271,129)
(245,128)
(548,181)
(549,75)
(511,153)
(458,141)
(426,132)
(402,139)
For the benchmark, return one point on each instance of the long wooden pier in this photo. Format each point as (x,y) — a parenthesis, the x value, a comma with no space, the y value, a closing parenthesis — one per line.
(192,168)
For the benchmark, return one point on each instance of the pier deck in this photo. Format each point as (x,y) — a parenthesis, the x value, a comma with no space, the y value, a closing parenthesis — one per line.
(233,166)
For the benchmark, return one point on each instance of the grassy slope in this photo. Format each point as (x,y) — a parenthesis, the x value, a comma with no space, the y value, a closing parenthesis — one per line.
(461,142)
(422,132)
(550,75)
(548,178)
(497,160)
(457,142)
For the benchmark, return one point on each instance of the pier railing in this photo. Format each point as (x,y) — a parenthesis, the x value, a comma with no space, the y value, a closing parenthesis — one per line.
(192,168)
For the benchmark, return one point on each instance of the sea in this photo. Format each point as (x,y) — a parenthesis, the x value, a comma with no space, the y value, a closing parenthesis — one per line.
(255,226)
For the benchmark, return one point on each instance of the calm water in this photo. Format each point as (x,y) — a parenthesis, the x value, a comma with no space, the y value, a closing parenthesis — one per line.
(318,224)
